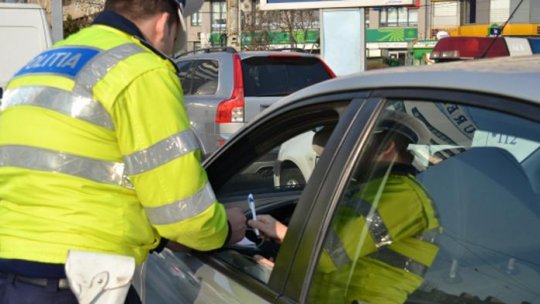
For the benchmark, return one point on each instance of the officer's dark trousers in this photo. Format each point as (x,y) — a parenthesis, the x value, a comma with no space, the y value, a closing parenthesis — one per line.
(13,291)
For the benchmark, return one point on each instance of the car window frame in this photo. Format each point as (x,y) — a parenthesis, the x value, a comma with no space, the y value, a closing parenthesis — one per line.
(217,167)
(291,284)
(275,285)
(189,63)
(299,285)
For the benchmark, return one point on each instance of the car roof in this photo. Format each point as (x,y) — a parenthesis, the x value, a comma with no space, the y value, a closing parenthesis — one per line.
(516,77)
(242,54)
(247,54)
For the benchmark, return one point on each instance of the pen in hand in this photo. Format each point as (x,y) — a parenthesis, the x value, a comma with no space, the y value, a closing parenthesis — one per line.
(251,204)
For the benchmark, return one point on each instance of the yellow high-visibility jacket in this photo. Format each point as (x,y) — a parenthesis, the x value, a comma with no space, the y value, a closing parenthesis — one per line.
(97,154)
(397,248)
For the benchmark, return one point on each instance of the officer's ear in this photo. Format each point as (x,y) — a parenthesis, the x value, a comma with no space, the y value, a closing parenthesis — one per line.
(161,28)
(388,151)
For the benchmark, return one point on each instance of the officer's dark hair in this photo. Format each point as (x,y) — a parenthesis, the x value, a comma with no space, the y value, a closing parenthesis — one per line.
(136,10)
(377,143)
(401,143)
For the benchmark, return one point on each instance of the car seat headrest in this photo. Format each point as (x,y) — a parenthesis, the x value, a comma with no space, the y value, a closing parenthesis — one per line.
(320,138)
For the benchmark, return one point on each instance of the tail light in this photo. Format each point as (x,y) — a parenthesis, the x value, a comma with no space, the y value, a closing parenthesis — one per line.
(232,109)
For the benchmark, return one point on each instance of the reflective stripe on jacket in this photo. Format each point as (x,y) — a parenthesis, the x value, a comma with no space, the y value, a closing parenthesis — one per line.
(96,153)
(397,247)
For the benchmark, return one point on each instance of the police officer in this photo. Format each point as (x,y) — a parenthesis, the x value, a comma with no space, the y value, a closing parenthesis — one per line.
(395,212)
(97,154)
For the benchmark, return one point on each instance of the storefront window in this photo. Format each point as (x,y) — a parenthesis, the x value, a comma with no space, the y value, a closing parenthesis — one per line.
(196,19)
(402,16)
(219,15)
(413,17)
(383,17)
(394,17)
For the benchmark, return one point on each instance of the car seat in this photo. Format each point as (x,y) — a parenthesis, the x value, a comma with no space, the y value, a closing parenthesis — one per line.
(320,138)
(488,210)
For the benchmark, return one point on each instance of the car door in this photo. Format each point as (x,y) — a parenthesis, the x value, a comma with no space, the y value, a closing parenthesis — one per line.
(245,166)
(475,173)
(479,170)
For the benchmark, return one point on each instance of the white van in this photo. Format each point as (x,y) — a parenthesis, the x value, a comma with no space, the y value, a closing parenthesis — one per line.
(24,33)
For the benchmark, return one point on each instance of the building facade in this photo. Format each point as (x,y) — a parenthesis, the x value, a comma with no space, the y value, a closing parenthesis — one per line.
(396,35)
(477,17)
(390,31)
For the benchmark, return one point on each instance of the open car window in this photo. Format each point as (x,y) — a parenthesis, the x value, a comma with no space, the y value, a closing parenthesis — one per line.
(275,177)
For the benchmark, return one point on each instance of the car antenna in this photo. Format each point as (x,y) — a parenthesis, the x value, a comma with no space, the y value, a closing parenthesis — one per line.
(502,29)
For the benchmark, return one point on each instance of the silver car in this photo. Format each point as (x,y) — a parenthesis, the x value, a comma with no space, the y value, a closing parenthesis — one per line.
(480,164)
(224,89)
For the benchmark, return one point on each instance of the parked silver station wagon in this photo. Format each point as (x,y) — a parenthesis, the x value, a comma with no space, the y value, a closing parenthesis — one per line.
(224,89)
(480,167)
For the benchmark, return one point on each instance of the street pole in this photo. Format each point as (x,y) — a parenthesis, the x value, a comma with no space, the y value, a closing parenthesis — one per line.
(232,24)
(239,27)
(57,20)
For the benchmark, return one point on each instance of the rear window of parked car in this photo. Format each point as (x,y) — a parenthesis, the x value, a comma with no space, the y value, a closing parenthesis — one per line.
(281,75)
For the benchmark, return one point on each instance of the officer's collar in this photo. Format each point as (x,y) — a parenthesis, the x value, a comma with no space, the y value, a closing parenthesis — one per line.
(119,22)
(404,169)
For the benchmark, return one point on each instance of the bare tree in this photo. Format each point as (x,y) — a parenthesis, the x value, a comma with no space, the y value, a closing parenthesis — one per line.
(261,28)
(297,23)
(87,7)
(79,14)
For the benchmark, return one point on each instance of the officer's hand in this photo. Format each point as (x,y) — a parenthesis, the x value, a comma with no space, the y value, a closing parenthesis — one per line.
(268,263)
(269,227)
(237,220)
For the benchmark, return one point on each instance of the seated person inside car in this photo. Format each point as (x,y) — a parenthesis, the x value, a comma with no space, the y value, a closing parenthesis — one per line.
(388,207)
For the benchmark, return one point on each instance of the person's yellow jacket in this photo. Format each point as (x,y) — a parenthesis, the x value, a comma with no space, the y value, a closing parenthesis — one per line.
(380,244)
(97,154)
